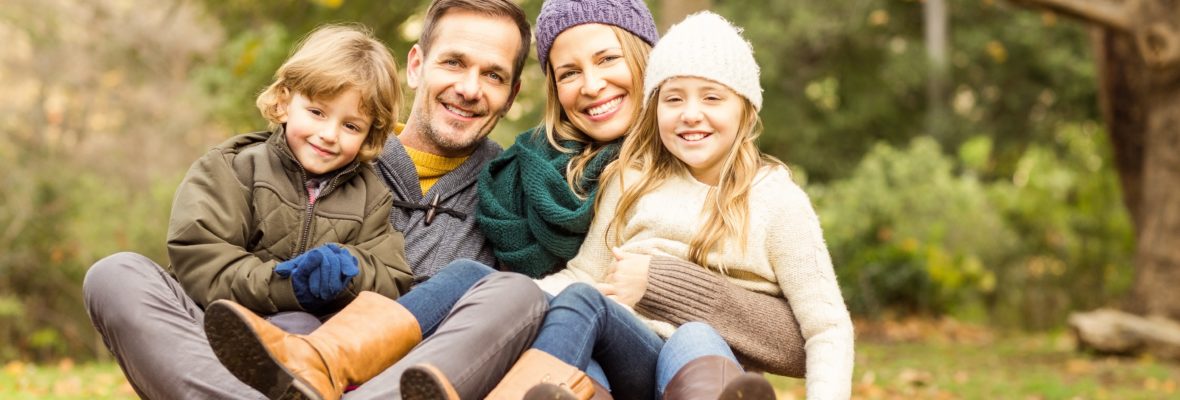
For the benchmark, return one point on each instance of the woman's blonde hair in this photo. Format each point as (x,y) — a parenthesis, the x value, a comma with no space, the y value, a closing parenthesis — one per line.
(331,60)
(557,124)
(726,208)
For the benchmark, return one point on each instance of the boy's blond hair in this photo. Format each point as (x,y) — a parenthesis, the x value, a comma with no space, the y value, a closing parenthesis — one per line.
(331,60)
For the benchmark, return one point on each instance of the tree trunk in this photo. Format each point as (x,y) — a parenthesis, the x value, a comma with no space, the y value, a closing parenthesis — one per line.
(935,30)
(673,11)
(1137,46)
(1122,90)
(1157,255)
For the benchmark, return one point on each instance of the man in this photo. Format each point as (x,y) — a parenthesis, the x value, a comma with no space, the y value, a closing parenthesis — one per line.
(465,70)
(465,79)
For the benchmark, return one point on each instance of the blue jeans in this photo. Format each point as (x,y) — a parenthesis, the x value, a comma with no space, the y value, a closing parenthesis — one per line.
(690,341)
(582,324)
(432,300)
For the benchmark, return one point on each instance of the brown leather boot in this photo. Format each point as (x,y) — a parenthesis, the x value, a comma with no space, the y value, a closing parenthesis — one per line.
(356,344)
(717,377)
(536,367)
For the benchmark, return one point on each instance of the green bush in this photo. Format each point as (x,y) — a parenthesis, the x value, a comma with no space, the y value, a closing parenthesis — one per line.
(907,233)
(58,225)
(916,231)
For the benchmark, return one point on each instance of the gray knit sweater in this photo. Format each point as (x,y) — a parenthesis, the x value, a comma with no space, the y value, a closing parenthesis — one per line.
(451,235)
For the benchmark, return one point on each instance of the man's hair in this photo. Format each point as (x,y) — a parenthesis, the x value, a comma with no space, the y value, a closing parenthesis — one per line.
(334,59)
(491,8)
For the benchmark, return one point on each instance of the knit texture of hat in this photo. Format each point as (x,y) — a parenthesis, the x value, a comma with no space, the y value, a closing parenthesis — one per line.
(705,45)
(558,15)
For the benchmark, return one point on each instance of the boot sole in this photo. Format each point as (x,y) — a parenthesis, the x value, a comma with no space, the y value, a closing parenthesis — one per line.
(424,383)
(241,351)
(549,391)
(748,386)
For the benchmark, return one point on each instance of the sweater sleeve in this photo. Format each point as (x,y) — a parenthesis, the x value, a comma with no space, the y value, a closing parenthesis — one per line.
(207,237)
(803,267)
(760,328)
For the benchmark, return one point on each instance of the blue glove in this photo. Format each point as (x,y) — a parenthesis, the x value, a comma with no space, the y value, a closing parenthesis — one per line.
(319,274)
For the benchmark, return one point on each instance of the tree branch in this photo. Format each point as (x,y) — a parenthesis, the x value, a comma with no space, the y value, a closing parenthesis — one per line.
(1112,14)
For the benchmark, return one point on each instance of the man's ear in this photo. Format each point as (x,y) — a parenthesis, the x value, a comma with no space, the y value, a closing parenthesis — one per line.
(414,62)
(511,97)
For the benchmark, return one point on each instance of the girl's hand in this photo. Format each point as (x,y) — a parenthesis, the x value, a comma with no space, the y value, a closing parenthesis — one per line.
(626,279)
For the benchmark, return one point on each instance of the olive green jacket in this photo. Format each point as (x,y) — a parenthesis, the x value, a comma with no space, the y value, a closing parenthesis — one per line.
(243,208)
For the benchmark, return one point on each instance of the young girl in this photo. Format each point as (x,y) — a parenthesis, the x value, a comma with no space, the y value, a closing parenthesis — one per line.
(690,183)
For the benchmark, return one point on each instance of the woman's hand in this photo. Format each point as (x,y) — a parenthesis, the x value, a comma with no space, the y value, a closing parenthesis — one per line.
(626,279)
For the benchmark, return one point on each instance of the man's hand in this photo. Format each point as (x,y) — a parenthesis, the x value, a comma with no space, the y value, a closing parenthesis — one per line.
(626,278)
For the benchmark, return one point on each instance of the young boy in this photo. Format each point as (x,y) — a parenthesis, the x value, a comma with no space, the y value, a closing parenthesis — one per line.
(295,219)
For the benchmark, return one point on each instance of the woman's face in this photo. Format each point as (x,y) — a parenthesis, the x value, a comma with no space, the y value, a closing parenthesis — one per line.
(593,81)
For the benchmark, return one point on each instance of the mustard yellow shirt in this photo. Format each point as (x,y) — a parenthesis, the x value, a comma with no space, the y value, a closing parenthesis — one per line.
(430,167)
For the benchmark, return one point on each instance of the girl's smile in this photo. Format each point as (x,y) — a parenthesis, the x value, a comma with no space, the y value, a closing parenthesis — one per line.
(698,121)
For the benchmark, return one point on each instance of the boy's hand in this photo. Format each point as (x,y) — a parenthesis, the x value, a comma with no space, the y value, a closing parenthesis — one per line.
(319,274)
(626,280)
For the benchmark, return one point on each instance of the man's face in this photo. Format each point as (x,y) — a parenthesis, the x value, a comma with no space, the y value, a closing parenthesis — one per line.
(463,86)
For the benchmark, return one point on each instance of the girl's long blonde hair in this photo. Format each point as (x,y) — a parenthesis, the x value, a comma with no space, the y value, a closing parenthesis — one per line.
(726,206)
(557,124)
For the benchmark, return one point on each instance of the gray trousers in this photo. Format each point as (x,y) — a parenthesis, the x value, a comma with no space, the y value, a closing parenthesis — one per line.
(156,333)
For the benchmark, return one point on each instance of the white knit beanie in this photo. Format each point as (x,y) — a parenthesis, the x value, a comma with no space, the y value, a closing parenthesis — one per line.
(705,45)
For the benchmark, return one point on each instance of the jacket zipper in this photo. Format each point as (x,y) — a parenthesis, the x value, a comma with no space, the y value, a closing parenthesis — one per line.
(310,213)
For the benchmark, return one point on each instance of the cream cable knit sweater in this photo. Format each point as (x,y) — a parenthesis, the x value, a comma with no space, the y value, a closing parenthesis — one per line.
(785,255)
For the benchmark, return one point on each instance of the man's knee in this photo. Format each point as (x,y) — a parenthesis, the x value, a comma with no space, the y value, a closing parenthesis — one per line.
(114,272)
(118,282)
(519,294)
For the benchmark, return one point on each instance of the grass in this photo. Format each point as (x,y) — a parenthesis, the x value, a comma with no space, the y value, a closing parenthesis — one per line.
(64,380)
(951,361)
(895,360)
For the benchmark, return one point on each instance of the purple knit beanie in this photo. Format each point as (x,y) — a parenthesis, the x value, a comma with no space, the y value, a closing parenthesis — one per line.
(558,15)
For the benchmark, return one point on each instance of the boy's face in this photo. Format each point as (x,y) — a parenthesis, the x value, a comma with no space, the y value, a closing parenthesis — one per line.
(326,134)
(463,86)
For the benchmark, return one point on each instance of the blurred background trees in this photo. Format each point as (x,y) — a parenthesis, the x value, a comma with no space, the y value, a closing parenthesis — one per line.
(991,197)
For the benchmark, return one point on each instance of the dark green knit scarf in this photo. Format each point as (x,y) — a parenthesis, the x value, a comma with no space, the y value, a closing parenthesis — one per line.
(527,211)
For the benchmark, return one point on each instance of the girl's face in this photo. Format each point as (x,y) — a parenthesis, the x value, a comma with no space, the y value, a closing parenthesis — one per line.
(326,134)
(593,81)
(698,122)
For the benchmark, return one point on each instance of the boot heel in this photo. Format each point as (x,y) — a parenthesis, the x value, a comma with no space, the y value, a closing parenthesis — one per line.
(748,386)
(239,348)
(549,391)
(425,382)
